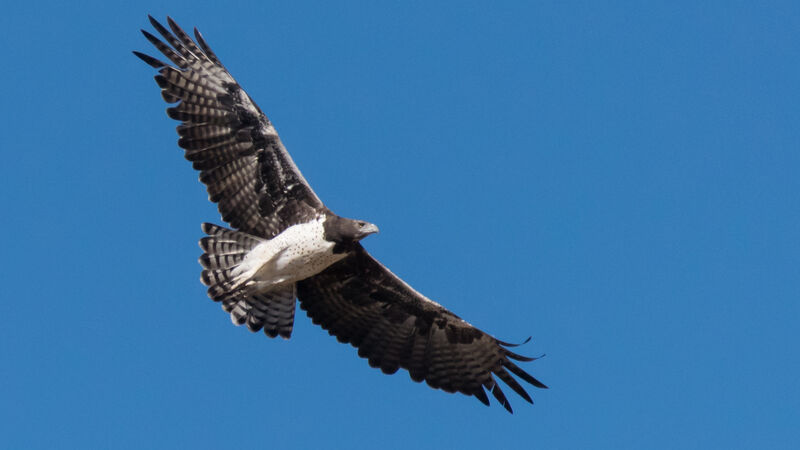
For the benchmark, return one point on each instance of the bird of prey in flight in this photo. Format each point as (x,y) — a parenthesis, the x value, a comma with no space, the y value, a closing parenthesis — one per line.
(285,244)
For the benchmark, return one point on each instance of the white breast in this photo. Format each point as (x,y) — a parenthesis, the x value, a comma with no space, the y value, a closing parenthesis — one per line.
(297,253)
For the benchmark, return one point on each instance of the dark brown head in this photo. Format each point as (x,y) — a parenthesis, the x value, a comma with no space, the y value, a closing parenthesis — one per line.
(346,231)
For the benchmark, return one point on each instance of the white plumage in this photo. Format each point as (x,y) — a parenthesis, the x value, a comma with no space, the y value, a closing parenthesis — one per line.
(297,253)
(286,244)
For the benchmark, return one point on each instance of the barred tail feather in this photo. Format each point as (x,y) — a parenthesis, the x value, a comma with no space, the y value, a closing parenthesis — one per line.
(273,311)
(224,250)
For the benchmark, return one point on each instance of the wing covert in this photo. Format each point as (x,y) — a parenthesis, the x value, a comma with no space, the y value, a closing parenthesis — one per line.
(361,302)
(242,162)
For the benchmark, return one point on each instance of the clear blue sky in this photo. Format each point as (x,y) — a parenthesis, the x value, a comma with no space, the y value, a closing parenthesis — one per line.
(617,180)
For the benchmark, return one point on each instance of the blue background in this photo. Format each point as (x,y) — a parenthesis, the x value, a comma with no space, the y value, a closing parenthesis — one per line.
(617,179)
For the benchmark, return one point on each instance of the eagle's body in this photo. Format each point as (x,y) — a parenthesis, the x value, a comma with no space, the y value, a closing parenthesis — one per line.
(297,253)
(287,246)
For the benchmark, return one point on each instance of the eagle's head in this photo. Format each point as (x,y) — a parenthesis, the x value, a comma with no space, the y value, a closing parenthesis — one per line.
(346,231)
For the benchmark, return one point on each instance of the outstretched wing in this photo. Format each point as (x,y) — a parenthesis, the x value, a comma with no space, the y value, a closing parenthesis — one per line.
(241,159)
(360,301)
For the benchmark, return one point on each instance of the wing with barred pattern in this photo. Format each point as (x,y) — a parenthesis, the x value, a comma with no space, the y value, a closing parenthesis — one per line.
(241,159)
(361,302)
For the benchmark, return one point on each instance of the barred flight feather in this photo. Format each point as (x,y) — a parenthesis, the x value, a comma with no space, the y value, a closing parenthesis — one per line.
(221,125)
(357,301)
(260,192)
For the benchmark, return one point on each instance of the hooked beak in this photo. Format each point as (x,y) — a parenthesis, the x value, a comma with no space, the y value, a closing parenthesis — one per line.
(368,229)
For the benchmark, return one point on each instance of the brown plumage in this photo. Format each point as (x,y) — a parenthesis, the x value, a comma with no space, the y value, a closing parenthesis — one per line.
(261,193)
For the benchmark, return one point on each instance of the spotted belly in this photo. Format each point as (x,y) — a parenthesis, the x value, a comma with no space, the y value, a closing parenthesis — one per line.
(299,252)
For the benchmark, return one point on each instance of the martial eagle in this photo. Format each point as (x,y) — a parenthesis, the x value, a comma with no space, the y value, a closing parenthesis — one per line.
(287,245)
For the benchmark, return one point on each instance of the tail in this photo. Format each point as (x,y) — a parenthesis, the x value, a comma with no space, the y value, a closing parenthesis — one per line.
(224,250)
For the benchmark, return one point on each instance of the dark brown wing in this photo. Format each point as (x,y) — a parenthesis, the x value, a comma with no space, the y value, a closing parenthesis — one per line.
(241,159)
(360,301)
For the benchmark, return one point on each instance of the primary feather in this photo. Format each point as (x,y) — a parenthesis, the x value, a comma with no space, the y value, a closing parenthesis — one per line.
(287,244)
